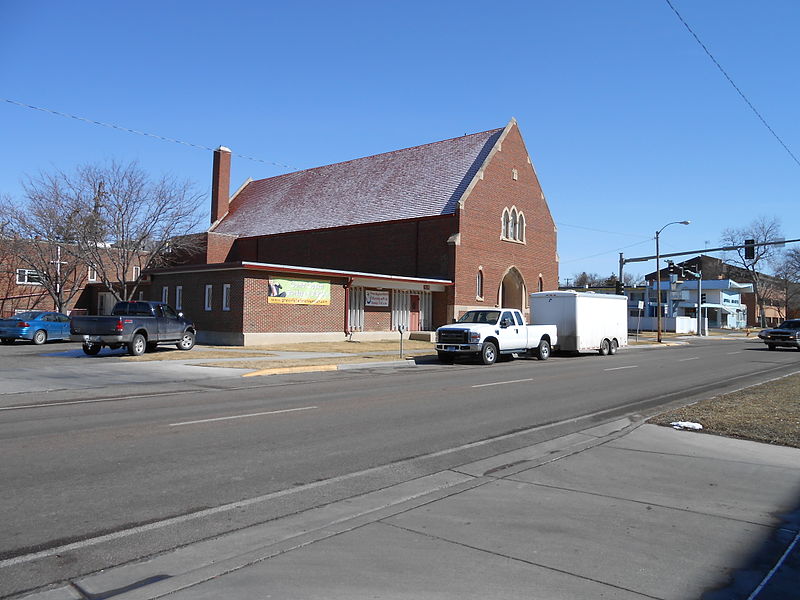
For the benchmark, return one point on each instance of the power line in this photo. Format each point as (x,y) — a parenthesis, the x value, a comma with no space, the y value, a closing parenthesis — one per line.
(137,132)
(750,104)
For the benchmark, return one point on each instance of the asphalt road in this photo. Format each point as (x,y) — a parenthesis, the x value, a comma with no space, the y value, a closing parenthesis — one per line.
(116,468)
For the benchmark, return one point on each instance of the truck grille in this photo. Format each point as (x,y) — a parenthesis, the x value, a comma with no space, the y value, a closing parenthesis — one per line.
(453,336)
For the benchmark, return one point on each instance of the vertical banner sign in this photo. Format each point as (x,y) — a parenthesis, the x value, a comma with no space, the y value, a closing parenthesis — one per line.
(299,291)
(376,298)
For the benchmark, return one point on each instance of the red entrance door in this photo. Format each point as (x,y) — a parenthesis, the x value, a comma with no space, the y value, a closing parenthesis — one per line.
(413,320)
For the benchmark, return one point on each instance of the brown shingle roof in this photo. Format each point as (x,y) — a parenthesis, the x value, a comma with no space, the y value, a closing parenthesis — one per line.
(415,182)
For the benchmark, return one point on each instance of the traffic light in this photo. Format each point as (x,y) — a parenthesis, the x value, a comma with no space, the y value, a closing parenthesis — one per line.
(702,298)
(749,249)
(620,289)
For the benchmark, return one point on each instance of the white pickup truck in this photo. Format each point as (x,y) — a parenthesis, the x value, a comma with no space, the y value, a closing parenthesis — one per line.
(494,333)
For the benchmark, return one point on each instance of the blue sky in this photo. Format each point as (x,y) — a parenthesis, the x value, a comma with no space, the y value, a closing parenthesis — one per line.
(628,122)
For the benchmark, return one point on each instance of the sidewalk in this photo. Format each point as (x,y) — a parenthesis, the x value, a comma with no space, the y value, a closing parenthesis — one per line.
(622,510)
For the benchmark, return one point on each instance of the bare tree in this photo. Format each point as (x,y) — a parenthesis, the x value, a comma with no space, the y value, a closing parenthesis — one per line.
(761,230)
(37,247)
(787,272)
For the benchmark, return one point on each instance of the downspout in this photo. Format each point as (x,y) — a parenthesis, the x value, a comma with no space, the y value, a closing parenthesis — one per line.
(346,287)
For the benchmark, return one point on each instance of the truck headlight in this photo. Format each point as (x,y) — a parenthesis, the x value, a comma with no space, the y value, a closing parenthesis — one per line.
(474,337)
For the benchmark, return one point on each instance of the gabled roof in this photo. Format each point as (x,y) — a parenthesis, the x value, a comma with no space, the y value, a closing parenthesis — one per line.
(423,181)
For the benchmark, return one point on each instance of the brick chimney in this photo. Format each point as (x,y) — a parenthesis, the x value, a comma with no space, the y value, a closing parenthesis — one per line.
(220,183)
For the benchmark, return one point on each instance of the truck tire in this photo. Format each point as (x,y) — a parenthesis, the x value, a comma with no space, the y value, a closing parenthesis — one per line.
(446,357)
(40,337)
(613,347)
(91,349)
(489,353)
(543,351)
(187,341)
(137,345)
(605,348)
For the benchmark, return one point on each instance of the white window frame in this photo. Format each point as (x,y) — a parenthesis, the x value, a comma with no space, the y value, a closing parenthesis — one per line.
(178,297)
(92,275)
(208,296)
(165,294)
(479,284)
(29,277)
(226,296)
(137,272)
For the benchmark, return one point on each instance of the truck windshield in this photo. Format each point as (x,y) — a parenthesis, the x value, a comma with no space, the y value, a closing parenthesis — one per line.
(790,325)
(480,316)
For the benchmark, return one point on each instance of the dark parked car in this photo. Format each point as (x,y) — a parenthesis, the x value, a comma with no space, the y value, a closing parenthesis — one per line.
(35,325)
(138,326)
(785,335)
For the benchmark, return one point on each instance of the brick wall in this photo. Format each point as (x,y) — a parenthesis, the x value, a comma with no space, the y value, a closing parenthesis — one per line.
(481,228)
(415,248)
(261,316)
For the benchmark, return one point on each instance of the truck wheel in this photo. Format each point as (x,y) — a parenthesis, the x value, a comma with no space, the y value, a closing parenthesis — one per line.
(543,351)
(605,348)
(489,353)
(91,349)
(187,341)
(40,337)
(137,345)
(613,347)
(446,357)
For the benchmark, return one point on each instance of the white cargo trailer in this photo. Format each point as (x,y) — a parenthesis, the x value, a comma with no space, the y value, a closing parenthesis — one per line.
(586,321)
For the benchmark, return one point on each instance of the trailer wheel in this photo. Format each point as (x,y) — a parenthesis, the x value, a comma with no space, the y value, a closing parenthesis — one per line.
(489,353)
(605,348)
(543,351)
(612,349)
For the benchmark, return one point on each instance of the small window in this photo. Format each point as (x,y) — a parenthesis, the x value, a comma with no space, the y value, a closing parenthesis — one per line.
(514,174)
(137,271)
(479,285)
(179,297)
(209,289)
(92,274)
(165,294)
(521,228)
(29,277)
(226,296)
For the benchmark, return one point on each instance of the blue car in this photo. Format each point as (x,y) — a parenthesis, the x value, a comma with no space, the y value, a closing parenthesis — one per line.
(35,325)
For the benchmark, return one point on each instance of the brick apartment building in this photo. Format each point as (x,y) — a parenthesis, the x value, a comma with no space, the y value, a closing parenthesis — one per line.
(411,238)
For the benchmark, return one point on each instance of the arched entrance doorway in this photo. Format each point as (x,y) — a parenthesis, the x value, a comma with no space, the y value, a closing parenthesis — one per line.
(512,290)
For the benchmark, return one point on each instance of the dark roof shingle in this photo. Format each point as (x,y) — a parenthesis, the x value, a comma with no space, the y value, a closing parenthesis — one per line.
(423,181)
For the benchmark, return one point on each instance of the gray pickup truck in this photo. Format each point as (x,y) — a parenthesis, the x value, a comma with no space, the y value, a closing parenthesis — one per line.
(139,326)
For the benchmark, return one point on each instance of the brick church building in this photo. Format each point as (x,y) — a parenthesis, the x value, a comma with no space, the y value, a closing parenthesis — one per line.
(407,239)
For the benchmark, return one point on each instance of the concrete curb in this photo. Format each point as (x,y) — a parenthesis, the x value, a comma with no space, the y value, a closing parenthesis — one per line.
(330,367)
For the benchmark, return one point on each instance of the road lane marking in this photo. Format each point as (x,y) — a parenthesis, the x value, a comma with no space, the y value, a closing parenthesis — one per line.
(692,358)
(620,368)
(258,414)
(729,353)
(502,382)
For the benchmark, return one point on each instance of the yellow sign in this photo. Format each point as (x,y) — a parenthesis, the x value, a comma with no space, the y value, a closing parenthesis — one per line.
(299,291)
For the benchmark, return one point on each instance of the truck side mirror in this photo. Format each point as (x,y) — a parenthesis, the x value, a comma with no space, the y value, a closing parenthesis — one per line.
(504,323)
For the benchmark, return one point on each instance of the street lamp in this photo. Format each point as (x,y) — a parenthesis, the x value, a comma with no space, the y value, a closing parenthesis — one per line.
(658,273)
